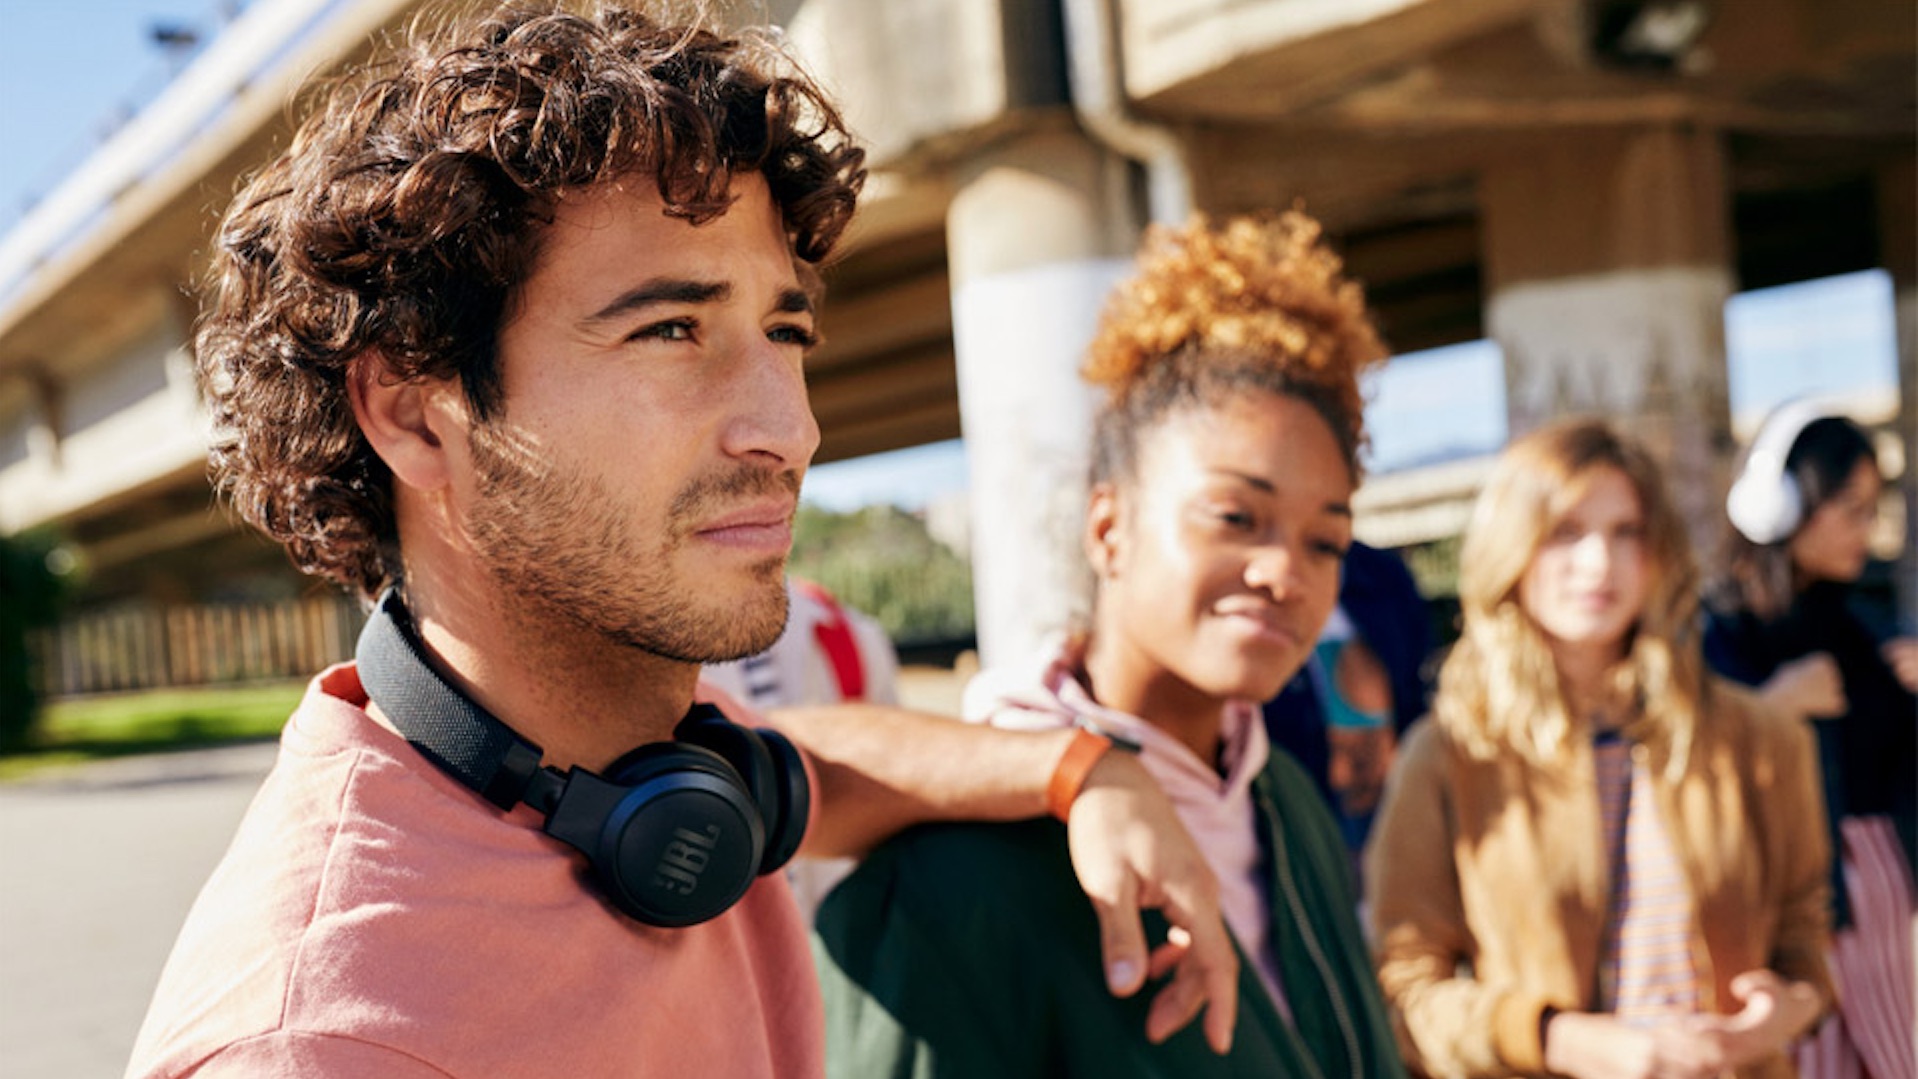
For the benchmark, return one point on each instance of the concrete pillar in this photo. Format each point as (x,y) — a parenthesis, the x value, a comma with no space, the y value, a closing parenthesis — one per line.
(1898,232)
(1039,230)
(1609,264)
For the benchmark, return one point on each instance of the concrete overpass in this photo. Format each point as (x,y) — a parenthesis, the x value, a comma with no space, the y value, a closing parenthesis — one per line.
(1585,181)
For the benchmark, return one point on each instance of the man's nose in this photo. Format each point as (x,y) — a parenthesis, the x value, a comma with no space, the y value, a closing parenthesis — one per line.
(772,416)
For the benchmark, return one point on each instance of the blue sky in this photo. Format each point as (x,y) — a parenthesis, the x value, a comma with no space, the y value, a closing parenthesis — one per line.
(1811,338)
(82,63)
(69,67)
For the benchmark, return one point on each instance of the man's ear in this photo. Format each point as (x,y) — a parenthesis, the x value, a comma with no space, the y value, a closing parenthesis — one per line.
(1103,536)
(408,422)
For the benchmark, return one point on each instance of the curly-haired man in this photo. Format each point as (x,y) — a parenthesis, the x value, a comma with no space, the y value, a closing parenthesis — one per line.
(511,337)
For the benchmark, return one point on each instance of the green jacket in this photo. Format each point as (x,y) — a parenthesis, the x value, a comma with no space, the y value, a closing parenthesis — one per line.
(970,950)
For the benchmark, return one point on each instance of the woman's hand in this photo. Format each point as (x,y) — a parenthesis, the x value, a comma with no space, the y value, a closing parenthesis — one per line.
(1808,687)
(1901,654)
(1587,1046)
(1775,1012)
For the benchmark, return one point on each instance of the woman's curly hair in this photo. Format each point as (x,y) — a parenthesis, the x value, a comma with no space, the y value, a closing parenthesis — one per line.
(407,212)
(1254,303)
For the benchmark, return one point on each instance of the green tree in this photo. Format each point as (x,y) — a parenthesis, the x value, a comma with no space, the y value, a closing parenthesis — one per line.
(30,594)
(881,560)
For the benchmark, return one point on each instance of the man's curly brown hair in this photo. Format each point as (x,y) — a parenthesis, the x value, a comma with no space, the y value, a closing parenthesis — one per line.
(1254,303)
(408,210)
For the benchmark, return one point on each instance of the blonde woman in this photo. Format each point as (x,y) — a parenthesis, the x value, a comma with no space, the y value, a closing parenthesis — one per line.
(1594,860)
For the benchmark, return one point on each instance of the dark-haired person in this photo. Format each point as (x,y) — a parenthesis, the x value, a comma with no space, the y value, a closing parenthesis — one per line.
(511,337)
(1800,515)
(1224,460)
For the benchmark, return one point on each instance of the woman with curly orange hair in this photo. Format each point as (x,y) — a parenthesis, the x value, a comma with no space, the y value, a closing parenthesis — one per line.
(1224,459)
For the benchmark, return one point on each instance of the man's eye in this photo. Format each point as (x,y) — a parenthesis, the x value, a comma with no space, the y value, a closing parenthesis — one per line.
(671,330)
(793,335)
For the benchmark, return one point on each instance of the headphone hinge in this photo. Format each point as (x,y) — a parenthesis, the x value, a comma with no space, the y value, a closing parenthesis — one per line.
(543,788)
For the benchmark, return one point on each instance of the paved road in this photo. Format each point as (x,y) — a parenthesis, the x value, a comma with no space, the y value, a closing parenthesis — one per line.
(98,866)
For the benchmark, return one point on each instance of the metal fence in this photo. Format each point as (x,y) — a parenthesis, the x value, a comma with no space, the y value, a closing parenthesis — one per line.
(151,646)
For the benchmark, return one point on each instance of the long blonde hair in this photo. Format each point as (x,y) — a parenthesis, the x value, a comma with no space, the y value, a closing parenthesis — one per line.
(1499,688)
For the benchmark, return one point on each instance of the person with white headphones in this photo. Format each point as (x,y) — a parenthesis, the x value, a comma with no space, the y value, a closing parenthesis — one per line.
(1800,513)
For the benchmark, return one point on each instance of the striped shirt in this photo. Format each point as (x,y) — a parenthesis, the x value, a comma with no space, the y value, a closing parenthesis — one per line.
(1648,973)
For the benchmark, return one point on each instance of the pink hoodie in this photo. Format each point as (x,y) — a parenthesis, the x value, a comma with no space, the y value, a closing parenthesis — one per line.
(1216,808)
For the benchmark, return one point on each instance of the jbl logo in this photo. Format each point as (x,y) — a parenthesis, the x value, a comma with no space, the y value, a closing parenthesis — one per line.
(685,859)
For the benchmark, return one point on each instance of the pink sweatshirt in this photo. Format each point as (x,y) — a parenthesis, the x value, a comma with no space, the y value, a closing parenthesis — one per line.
(1217,809)
(373,917)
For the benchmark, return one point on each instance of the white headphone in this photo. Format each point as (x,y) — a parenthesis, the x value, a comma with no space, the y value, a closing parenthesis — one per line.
(1765,504)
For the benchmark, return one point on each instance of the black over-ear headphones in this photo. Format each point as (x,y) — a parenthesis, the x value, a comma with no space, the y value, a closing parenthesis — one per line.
(675,831)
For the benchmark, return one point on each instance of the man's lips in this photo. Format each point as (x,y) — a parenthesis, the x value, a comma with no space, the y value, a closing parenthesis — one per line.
(762,525)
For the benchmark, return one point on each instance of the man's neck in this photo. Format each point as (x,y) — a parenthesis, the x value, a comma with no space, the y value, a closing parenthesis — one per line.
(583,699)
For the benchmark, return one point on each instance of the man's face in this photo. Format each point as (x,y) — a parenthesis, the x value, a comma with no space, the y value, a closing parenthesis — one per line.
(641,478)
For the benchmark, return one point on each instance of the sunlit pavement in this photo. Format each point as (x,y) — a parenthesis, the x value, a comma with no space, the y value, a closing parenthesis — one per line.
(98,866)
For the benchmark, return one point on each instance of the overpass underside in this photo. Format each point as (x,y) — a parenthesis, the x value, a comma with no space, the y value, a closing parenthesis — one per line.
(1583,181)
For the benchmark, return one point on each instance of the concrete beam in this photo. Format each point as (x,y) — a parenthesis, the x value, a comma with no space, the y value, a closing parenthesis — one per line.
(913,74)
(1220,58)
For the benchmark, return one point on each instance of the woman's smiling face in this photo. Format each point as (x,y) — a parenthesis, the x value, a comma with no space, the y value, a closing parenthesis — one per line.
(1219,562)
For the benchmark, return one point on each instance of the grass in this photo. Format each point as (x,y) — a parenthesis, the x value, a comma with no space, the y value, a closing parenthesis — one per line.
(119,725)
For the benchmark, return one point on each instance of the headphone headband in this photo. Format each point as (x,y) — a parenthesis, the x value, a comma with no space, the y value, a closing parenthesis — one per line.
(462,738)
(1779,432)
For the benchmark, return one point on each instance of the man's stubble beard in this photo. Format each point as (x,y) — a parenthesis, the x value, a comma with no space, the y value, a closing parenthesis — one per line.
(557,542)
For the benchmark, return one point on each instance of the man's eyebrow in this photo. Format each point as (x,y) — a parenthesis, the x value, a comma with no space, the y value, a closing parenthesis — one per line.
(661,290)
(1260,483)
(794,302)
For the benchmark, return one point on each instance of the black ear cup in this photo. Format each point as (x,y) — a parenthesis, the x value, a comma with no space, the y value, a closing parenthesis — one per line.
(767,765)
(681,840)
(793,797)
(740,748)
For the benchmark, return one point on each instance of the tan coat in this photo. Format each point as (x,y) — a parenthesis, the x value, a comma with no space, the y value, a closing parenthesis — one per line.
(1487,883)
